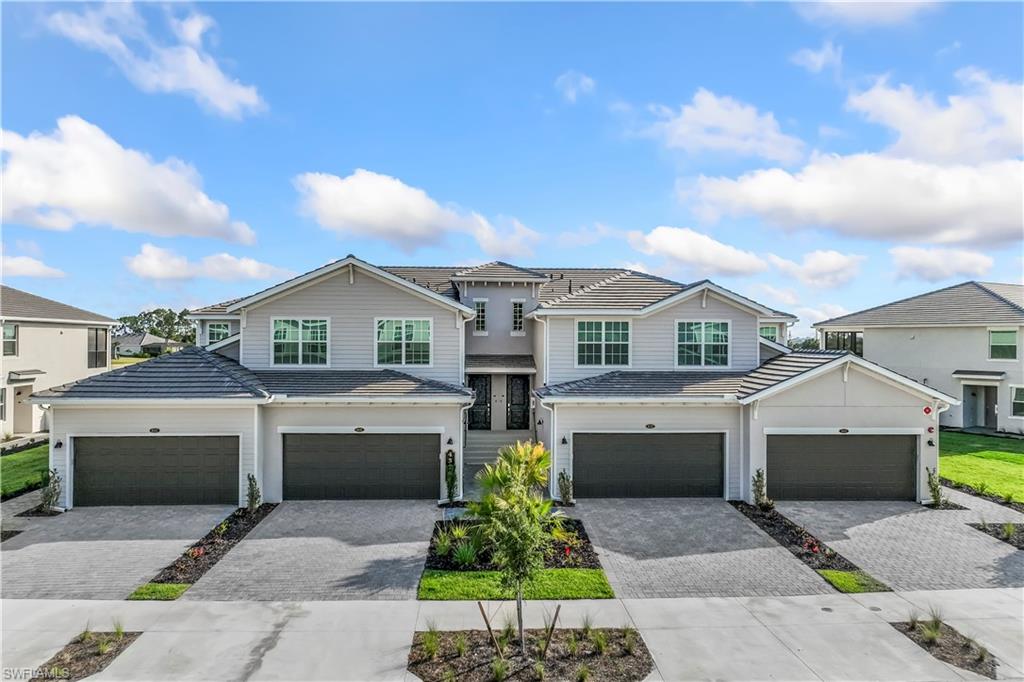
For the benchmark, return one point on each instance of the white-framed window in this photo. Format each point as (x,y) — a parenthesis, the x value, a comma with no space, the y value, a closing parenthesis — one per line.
(518,323)
(602,343)
(770,332)
(300,341)
(10,339)
(403,342)
(218,331)
(3,404)
(1017,402)
(480,322)
(1002,344)
(702,343)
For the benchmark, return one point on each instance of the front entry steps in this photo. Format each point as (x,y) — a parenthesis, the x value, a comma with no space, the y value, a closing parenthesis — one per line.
(482,448)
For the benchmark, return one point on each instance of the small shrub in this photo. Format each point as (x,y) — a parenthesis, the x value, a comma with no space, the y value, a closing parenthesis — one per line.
(538,670)
(760,490)
(913,619)
(451,481)
(1008,498)
(572,644)
(461,644)
(935,618)
(929,632)
(984,524)
(588,624)
(86,635)
(431,643)
(629,640)
(499,670)
(51,491)
(443,543)
(103,646)
(508,630)
(565,487)
(981,654)
(118,630)
(465,554)
(600,641)
(1009,530)
(221,528)
(459,531)
(981,487)
(253,496)
(582,673)
(448,675)
(934,487)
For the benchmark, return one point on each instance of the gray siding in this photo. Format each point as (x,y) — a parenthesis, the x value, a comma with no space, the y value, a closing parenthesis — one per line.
(654,339)
(204,327)
(230,351)
(499,339)
(352,309)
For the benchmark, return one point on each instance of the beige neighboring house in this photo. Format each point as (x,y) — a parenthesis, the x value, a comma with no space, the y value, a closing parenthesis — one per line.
(130,345)
(964,340)
(357,381)
(45,343)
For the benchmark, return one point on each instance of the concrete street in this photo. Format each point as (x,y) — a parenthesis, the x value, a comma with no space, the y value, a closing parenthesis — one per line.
(812,637)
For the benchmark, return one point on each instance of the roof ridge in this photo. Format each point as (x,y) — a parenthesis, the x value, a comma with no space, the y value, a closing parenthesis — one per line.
(589,287)
(901,300)
(1000,297)
(235,370)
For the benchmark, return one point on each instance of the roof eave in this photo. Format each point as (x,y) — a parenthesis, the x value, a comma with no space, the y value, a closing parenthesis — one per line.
(279,398)
(145,402)
(640,400)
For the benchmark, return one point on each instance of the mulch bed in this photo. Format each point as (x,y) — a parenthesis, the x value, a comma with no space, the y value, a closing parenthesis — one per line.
(39,511)
(475,666)
(796,539)
(201,557)
(953,648)
(964,488)
(80,659)
(945,504)
(996,531)
(8,534)
(582,556)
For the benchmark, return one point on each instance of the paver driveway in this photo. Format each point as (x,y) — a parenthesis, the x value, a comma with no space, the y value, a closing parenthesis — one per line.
(327,549)
(100,552)
(910,547)
(689,548)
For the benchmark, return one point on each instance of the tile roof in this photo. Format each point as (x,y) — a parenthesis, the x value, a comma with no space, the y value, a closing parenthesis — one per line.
(190,373)
(993,373)
(966,303)
(379,383)
(16,304)
(625,289)
(564,281)
(216,308)
(505,361)
(143,340)
(499,270)
(783,368)
(435,278)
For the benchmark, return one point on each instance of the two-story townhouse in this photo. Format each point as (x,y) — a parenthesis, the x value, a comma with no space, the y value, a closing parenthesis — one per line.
(44,343)
(966,340)
(359,381)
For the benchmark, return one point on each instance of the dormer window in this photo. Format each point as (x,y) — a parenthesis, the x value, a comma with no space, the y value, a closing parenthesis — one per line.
(770,332)
(702,343)
(218,331)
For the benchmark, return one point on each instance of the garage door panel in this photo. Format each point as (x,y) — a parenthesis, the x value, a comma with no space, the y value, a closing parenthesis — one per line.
(321,466)
(128,470)
(842,467)
(648,464)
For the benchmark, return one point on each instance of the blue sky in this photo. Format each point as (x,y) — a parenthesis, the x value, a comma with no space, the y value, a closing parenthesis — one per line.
(819,158)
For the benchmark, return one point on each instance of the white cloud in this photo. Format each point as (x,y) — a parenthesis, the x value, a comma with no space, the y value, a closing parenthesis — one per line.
(696,251)
(827,131)
(875,197)
(28,247)
(821,269)
(858,13)
(638,267)
(80,175)
(572,84)
(155,263)
(828,57)
(985,122)
(587,235)
(119,31)
(26,266)
(810,315)
(369,204)
(722,124)
(783,296)
(934,265)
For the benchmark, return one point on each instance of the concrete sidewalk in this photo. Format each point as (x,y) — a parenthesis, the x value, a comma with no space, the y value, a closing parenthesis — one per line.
(818,637)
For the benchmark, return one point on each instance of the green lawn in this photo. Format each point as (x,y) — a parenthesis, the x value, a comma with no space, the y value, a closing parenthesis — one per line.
(121,362)
(23,470)
(159,591)
(998,463)
(852,582)
(552,583)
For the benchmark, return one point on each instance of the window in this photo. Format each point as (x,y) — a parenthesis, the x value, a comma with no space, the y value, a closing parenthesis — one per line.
(851,341)
(218,331)
(1017,401)
(702,344)
(300,342)
(97,347)
(771,333)
(1002,345)
(517,316)
(480,323)
(3,404)
(403,342)
(10,339)
(602,343)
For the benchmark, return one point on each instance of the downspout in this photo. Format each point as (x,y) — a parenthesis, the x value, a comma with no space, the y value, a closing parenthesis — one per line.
(553,475)
(462,446)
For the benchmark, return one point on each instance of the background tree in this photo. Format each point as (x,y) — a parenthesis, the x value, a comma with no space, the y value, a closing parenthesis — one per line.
(162,322)
(805,343)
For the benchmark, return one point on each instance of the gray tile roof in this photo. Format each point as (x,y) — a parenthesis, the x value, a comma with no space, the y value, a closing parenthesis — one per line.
(16,304)
(435,278)
(506,361)
(626,384)
(216,308)
(995,374)
(782,368)
(381,383)
(966,303)
(499,270)
(146,339)
(190,373)
(625,289)
(564,281)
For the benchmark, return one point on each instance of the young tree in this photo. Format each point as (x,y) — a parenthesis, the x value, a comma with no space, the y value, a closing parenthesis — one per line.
(516,522)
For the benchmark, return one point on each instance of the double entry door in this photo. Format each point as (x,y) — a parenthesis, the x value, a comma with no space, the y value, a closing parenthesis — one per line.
(517,402)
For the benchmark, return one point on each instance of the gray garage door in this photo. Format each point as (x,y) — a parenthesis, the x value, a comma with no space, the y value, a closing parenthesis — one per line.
(361,466)
(842,467)
(648,464)
(156,470)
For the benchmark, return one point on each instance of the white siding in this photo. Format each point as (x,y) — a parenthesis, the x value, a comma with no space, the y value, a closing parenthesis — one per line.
(352,309)
(654,339)
(69,422)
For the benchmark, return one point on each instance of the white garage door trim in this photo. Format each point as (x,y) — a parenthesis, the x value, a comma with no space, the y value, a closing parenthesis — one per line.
(69,446)
(725,448)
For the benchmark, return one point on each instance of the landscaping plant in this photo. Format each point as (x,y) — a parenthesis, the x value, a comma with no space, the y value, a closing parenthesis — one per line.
(935,487)
(253,496)
(451,481)
(760,488)
(51,491)
(565,487)
(516,522)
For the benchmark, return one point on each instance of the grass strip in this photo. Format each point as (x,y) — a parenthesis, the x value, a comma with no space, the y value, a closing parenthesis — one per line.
(159,591)
(551,583)
(23,471)
(853,582)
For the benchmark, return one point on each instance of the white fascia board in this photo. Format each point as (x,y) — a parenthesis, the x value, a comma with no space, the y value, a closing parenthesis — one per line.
(147,402)
(611,402)
(775,345)
(51,320)
(498,370)
(585,312)
(227,341)
(504,280)
(825,326)
(334,267)
(280,399)
(213,316)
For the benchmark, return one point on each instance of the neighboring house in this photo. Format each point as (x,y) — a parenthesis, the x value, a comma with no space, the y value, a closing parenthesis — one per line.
(144,344)
(964,340)
(44,343)
(358,381)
